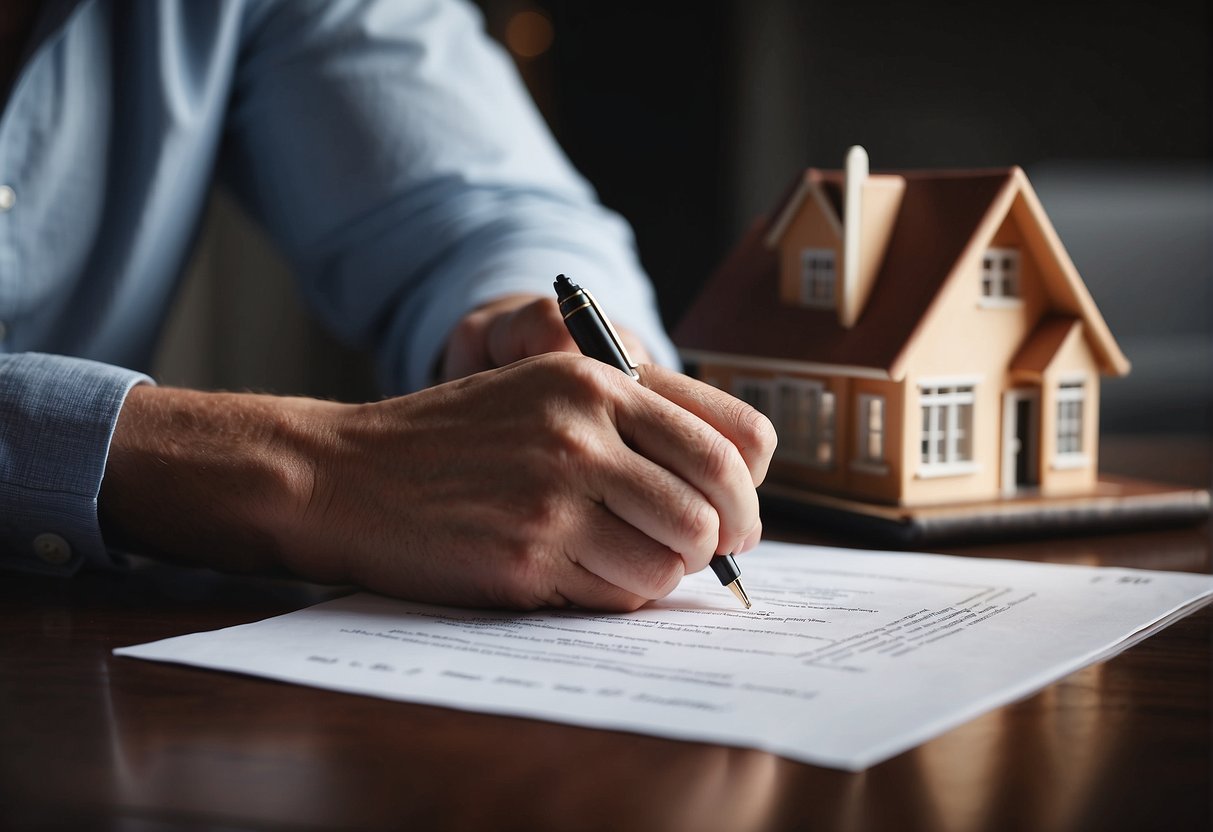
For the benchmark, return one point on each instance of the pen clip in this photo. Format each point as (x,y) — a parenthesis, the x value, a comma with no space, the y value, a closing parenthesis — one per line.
(610,328)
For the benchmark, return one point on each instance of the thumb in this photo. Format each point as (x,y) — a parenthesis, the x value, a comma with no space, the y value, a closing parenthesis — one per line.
(533,328)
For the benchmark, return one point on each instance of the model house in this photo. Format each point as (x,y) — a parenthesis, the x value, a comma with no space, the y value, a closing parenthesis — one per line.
(917,338)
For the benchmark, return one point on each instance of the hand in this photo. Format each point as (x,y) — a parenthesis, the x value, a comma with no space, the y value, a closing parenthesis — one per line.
(511,328)
(557,480)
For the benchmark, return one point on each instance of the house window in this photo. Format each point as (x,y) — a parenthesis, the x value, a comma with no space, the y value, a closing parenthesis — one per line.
(1070,396)
(1000,274)
(947,427)
(871,429)
(817,277)
(804,421)
(802,413)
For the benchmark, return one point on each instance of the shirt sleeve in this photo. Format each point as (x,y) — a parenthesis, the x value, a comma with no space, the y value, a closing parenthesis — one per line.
(57,416)
(392,152)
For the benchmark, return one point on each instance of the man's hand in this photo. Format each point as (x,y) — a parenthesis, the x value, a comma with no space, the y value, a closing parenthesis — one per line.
(552,481)
(512,328)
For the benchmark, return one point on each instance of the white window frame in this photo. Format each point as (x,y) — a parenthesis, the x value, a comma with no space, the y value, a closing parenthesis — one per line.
(949,426)
(1001,283)
(865,432)
(1071,419)
(818,286)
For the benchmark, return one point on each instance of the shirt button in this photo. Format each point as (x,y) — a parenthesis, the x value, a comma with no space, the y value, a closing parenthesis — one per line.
(8,198)
(53,549)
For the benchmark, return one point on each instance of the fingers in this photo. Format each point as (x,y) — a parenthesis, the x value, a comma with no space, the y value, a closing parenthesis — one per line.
(502,332)
(526,329)
(511,328)
(581,587)
(685,445)
(636,350)
(750,431)
(670,512)
(632,564)
(752,540)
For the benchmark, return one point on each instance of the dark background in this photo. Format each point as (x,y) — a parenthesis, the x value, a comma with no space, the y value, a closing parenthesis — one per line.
(690,117)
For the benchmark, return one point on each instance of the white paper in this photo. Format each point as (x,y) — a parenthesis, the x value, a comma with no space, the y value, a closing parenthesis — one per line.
(848,657)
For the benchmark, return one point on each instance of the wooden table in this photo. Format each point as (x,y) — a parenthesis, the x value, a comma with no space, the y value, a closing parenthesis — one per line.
(89,741)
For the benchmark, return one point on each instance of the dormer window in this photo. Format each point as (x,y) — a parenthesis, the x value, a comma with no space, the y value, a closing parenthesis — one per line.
(817,277)
(999,276)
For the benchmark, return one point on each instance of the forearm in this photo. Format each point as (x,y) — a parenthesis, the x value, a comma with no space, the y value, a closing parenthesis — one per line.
(551,481)
(428,185)
(212,478)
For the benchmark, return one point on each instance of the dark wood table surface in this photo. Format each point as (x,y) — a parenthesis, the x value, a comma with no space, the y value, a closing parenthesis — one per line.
(90,741)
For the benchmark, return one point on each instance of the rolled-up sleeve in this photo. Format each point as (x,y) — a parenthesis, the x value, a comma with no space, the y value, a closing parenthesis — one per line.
(393,153)
(57,415)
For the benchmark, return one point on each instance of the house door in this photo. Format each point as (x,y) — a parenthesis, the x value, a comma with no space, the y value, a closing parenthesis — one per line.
(1020,440)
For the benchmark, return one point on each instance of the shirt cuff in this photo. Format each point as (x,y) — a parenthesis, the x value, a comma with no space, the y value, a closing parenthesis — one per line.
(58,415)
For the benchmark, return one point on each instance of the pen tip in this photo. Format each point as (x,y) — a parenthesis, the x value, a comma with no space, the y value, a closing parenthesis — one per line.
(739,590)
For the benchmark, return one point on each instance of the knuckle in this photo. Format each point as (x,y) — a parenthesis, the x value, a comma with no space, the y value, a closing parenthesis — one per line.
(535,517)
(698,528)
(717,458)
(597,383)
(470,324)
(666,571)
(564,375)
(546,312)
(527,567)
(544,325)
(573,445)
(755,431)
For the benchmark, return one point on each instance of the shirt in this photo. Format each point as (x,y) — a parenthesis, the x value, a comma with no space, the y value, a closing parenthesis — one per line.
(388,148)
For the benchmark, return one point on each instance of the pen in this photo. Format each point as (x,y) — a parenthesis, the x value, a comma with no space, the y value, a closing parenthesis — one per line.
(596,338)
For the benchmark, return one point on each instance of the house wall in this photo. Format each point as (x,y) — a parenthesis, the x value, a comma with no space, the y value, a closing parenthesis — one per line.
(843,476)
(810,228)
(1073,361)
(962,338)
(864,482)
(828,478)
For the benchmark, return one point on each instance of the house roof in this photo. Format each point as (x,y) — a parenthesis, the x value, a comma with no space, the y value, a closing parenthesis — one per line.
(942,213)
(1043,344)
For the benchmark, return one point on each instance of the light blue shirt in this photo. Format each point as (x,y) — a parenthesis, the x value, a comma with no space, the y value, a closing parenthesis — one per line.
(387,147)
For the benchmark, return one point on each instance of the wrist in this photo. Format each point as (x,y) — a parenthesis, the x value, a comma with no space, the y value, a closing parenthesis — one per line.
(214,479)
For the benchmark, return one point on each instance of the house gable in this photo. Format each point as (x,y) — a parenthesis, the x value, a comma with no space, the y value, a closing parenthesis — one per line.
(738,313)
(1048,281)
(810,228)
(968,332)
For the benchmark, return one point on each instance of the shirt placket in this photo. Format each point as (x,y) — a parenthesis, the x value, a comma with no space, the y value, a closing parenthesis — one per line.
(15,129)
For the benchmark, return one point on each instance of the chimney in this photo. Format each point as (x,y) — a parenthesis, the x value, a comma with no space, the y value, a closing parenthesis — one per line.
(869,213)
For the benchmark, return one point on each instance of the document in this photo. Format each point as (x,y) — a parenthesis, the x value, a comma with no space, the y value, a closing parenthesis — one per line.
(847,658)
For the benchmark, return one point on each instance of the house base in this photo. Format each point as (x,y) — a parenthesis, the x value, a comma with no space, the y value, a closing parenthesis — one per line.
(1116,504)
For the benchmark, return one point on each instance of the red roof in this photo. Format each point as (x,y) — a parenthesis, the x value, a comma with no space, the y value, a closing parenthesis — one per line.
(739,310)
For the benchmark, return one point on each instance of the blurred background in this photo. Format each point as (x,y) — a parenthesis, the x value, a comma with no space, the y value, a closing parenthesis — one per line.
(691,118)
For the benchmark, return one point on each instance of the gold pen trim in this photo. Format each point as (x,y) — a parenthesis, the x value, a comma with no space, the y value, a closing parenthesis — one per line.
(578,309)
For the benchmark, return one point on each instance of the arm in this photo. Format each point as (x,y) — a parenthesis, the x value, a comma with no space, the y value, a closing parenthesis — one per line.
(555,480)
(414,188)
(395,157)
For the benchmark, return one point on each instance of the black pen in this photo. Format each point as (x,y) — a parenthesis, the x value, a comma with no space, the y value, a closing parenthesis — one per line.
(596,338)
